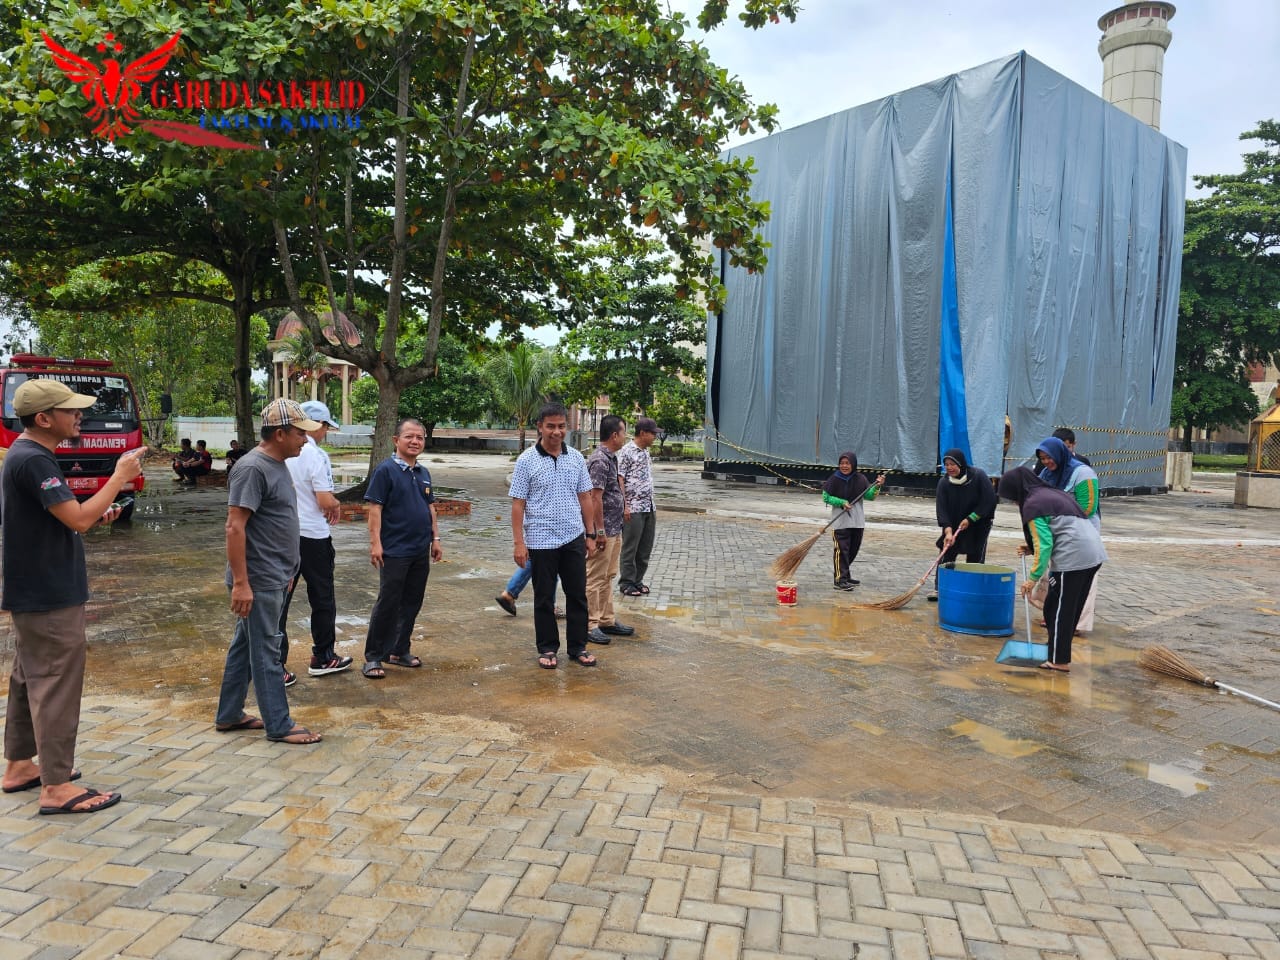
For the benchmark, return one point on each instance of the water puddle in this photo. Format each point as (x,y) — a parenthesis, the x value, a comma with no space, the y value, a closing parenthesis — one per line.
(1182,775)
(994,741)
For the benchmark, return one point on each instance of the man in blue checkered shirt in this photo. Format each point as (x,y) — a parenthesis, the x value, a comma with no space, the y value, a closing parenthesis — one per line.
(551,511)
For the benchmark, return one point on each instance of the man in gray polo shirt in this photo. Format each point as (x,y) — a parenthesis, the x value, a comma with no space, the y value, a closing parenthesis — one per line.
(262,558)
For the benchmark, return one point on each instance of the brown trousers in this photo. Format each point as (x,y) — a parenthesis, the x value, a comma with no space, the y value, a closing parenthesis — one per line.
(602,568)
(45,688)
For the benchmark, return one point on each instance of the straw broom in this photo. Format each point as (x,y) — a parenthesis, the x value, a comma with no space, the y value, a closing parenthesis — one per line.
(788,562)
(1163,660)
(902,599)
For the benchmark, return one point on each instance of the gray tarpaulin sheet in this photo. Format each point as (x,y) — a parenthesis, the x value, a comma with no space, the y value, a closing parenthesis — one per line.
(1066,216)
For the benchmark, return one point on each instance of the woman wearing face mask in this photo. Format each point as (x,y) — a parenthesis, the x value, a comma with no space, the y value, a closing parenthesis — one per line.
(966,508)
(844,492)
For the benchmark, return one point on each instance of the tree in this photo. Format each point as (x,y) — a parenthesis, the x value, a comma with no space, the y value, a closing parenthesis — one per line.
(458,391)
(499,136)
(640,348)
(181,348)
(306,363)
(1229,310)
(520,378)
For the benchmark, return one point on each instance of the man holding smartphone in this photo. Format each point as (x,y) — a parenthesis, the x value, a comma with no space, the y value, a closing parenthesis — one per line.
(46,586)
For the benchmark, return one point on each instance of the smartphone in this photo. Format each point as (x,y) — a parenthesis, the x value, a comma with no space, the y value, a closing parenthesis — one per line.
(124,503)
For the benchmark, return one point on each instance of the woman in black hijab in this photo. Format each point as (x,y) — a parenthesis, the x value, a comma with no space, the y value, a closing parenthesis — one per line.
(966,510)
(844,492)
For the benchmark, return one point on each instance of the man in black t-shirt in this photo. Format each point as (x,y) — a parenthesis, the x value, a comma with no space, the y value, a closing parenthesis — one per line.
(45,589)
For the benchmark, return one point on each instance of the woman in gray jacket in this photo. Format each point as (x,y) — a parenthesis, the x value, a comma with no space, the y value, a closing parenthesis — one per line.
(1065,547)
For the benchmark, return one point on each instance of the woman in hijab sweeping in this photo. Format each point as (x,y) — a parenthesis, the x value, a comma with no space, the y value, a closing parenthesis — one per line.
(1065,547)
(966,510)
(844,492)
(1061,468)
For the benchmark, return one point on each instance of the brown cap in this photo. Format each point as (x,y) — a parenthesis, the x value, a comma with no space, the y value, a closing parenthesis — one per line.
(646,425)
(287,413)
(37,396)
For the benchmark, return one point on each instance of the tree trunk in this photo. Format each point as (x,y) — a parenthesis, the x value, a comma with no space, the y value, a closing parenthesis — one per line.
(1186,436)
(240,374)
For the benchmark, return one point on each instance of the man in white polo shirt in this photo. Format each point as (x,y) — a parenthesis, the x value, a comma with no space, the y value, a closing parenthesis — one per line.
(317,509)
(551,509)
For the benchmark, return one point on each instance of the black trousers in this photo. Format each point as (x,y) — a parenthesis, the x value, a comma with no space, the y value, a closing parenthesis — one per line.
(568,563)
(1068,590)
(847,544)
(316,567)
(402,583)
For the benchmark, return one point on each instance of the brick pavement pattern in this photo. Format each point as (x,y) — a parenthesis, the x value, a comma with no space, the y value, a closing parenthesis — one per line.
(737,781)
(383,845)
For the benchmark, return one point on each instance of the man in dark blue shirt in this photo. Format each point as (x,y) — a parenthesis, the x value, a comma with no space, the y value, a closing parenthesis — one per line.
(403,540)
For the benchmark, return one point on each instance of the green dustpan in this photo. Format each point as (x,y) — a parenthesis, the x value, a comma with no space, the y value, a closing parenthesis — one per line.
(1024,653)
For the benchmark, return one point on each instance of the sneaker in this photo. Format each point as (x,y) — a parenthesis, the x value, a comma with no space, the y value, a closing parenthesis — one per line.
(290,678)
(334,664)
(843,584)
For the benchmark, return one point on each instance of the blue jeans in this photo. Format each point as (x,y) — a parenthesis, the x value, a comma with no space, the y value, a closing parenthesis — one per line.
(520,579)
(255,655)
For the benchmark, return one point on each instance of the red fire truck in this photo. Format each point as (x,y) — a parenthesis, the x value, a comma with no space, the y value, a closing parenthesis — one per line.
(109,428)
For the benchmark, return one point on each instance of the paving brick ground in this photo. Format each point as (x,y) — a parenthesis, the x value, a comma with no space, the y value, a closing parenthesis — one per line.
(740,781)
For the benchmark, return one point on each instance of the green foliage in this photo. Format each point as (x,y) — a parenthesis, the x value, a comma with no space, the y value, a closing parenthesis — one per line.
(457,392)
(640,349)
(521,378)
(182,348)
(1229,315)
(499,138)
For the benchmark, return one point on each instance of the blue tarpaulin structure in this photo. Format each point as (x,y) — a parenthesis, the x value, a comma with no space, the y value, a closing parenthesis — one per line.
(998,242)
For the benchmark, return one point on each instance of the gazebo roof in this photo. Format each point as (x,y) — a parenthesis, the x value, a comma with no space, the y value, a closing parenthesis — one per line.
(1268,416)
(342,331)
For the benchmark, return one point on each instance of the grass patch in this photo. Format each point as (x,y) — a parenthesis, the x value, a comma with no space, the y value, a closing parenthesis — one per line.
(1219,462)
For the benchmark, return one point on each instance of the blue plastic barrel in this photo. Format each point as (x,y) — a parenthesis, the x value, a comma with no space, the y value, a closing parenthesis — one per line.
(976,598)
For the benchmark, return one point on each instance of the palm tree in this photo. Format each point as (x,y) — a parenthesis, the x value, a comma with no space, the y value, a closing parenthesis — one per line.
(305,361)
(520,377)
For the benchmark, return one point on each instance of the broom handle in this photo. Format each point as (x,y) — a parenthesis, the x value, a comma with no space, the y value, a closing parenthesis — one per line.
(1248,696)
(933,566)
(1026,604)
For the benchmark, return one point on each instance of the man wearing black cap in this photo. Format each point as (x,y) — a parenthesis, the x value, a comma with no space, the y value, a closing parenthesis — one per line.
(46,587)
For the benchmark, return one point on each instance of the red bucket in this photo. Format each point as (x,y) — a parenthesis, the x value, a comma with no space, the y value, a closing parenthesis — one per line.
(787,593)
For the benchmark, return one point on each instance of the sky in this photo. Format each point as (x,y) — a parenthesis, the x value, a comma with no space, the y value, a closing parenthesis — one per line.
(1221,71)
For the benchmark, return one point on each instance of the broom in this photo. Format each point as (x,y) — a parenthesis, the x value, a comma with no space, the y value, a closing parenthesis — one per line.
(788,562)
(1163,660)
(902,599)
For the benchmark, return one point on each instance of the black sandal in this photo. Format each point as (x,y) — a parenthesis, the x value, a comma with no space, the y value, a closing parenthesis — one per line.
(409,660)
(548,661)
(586,659)
(373,670)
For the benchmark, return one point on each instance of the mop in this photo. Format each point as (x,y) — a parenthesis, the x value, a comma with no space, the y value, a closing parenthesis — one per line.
(1024,653)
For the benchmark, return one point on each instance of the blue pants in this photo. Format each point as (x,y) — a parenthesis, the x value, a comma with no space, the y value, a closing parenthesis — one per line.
(255,655)
(520,579)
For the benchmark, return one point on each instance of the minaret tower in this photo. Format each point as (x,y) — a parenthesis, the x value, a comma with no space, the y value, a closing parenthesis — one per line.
(1134,39)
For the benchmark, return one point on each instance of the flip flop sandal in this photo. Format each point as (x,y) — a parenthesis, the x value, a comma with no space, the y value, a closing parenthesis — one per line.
(548,661)
(244,723)
(409,661)
(373,670)
(35,782)
(633,592)
(586,660)
(644,589)
(70,805)
(313,738)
